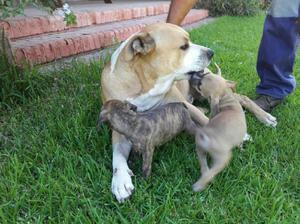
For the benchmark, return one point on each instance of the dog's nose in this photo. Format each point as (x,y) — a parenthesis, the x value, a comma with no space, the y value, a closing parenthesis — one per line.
(210,53)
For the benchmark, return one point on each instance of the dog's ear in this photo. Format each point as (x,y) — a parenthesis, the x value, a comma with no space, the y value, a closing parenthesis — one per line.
(231,85)
(141,43)
(130,106)
(214,106)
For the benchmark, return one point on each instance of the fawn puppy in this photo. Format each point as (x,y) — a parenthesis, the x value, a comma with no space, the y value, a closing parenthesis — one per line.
(225,129)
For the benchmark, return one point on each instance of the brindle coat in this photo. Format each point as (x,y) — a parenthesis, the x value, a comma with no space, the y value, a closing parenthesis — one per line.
(148,129)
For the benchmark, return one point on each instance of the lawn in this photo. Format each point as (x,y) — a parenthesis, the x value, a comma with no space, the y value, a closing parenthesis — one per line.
(56,168)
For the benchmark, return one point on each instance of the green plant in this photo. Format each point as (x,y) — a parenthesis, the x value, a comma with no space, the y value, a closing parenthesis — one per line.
(230,7)
(11,8)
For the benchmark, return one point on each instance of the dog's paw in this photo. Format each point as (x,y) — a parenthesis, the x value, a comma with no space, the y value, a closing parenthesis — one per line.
(198,186)
(247,138)
(270,120)
(121,185)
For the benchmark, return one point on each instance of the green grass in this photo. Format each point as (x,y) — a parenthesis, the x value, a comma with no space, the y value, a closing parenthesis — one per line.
(56,168)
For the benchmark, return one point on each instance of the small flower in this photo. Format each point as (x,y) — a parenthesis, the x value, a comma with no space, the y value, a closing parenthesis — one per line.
(66,6)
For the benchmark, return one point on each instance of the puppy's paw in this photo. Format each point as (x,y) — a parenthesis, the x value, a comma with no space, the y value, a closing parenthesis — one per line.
(121,185)
(270,120)
(198,186)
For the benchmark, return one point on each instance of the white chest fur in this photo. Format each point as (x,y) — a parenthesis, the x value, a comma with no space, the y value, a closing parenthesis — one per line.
(155,95)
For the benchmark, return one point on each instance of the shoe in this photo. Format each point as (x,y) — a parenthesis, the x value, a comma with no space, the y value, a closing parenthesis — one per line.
(267,103)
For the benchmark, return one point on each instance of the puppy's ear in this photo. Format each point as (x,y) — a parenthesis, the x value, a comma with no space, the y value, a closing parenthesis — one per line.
(130,106)
(141,43)
(231,85)
(214,106)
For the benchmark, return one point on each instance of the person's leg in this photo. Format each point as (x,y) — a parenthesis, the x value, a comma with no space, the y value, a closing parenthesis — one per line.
(178,10)
(277,53)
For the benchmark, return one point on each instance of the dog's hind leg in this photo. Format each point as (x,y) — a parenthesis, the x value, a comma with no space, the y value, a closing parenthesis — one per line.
(147,153)
(259,113)
(121,185)
(220,160)
(202,157)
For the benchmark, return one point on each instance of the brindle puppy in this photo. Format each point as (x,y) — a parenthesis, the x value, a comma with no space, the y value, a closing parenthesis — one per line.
(148,129)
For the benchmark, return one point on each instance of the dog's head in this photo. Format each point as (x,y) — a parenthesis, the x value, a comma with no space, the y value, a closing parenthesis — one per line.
(164,49)
(115,106)
(210,85)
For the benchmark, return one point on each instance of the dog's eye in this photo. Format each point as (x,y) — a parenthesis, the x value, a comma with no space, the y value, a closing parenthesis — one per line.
(185,47)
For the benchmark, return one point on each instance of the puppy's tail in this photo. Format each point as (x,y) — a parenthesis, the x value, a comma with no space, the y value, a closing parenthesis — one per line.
(202,139)
(219,70)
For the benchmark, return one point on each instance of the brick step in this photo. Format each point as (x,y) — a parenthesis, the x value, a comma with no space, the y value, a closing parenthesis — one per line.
(45,48)
(28,26)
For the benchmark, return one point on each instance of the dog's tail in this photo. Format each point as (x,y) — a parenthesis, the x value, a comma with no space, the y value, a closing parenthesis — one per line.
(202,139)
(219,70)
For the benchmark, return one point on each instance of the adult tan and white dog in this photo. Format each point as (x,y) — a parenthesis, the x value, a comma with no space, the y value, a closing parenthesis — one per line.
(143,70)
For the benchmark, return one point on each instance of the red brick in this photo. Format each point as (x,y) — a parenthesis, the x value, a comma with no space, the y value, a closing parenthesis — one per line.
(56,23)
(127,14)
(20,56)
(108,36)
(39,56)
(101,38)
(96,40)
(63,48)
(30,54)
(79,19)
(118,15)
(108,16)
(49,54)
(93,16)
(71,46)
(15,29)
(78,44)
(91,42)
(143,12)
(98,17)
(86,44)
(56,49)
(136,13)
(150,11)
(35,26)
(166,8)
(86,19)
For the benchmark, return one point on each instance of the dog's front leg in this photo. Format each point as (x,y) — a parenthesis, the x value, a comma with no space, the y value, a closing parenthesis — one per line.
(259,113)
(147,160)
(121,185)
(174,95)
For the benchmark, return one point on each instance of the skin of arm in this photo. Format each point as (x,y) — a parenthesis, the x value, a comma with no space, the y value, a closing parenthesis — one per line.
(178,10)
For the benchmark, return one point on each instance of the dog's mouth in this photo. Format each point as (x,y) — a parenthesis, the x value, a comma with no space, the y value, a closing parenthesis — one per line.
(197,75)
(196,78)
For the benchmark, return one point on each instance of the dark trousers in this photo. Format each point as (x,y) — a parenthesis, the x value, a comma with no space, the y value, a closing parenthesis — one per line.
(276,56)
